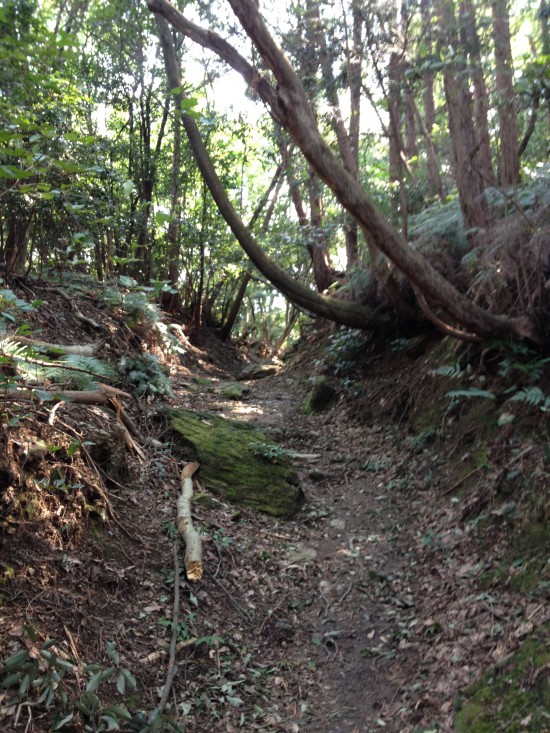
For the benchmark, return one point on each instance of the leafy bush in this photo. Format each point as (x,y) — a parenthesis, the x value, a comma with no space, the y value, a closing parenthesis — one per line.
(45,683)
(345,348)
(147,374)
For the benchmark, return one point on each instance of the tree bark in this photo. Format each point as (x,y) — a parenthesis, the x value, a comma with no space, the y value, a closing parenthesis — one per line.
(481,100)
(399,198)
(544,14)
(227,328)
(469,180)
(348,152)
(507,117)
(434,178)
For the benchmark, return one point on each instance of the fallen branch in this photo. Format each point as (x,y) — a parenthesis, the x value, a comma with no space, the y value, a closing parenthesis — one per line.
(76,349)
(106,395)
(72,305)
(85,397)
(172,668)
(193,544)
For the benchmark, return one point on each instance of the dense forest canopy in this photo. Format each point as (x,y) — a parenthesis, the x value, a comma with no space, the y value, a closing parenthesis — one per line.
(381,164)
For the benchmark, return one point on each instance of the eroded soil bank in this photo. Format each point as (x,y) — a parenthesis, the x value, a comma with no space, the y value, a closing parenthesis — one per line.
(390,592)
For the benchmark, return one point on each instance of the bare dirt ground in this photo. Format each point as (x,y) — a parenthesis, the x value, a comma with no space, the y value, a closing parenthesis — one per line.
(366,612)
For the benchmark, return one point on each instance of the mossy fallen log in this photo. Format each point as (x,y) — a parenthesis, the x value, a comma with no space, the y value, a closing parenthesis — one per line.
(238,462)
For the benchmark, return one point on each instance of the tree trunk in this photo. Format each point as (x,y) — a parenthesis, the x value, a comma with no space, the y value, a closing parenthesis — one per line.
(346,139)
(15,251)
(469,181)
(397,184)
(323,272)
(507,117)
(481,100)
(227,328)
(426,124)
(355,63)
(434,177)
(544,14)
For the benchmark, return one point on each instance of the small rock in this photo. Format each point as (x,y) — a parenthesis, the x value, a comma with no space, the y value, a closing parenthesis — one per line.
(338,523)
(302,554)
(321,397)
(259,371)
(233,390)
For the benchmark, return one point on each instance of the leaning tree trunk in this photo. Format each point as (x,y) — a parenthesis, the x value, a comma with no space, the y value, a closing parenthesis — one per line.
(289,107)
(268,199)
(507,116)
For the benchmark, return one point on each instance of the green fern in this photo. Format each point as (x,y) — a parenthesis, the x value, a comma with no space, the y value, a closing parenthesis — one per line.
(80,372)
(472,392)
(532,396)
(136,303)
(147,374)
(451,371)
(92,370)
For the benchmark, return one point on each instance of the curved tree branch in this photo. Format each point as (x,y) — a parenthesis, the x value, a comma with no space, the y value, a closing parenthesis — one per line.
(346,313)
(289,106)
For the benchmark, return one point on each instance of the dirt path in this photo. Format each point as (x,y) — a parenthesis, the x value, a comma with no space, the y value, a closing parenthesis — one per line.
(369,611)
(391,611)
(344,556)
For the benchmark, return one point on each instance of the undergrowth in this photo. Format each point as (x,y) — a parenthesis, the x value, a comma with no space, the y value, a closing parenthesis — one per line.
(50,681)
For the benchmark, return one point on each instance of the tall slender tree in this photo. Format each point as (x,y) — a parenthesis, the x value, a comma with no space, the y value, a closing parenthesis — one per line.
(507,115)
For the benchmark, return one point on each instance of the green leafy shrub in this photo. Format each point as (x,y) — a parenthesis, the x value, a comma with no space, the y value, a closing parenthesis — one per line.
(71,370)
(147,374)
(45,682)
(344,350)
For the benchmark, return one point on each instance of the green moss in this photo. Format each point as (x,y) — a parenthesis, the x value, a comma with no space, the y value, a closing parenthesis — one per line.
(536,537)
(233,391)
(229,466)
(321,396)
(7,573)
(513,696)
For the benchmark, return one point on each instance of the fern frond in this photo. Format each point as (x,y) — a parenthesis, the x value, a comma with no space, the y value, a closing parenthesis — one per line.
(532,396)
(472,392)
(451,371)
(138,305)
(81,372)
(90,364)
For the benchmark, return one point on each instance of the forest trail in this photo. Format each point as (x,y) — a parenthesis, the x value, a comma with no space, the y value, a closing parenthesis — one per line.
(368,611)
(382,614)
(355,612)
(343,557)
